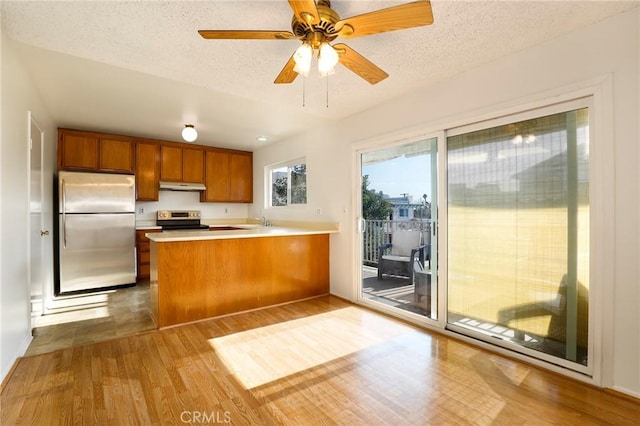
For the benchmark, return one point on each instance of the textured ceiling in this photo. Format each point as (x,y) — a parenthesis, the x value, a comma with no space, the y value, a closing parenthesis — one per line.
(141,64)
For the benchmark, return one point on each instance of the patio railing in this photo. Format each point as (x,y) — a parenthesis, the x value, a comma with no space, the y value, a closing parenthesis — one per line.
(378,232)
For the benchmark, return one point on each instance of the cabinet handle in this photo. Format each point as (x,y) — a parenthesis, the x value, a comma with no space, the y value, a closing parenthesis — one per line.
(43,233)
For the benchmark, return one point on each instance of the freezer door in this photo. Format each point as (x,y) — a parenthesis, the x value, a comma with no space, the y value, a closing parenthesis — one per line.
(96,193)
(96,250)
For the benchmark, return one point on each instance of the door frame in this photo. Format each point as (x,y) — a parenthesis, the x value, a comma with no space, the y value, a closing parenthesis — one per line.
(378,144)
(31,122)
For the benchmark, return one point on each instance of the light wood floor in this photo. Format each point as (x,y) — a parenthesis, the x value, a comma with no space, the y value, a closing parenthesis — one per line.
(320,361)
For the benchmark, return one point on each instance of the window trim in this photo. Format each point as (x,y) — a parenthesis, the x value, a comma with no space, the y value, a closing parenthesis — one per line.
(268,189)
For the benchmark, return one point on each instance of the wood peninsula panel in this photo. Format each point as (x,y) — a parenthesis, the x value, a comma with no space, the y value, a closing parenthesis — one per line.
(194,280)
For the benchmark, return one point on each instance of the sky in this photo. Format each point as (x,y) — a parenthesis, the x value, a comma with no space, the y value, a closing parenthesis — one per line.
(401,175)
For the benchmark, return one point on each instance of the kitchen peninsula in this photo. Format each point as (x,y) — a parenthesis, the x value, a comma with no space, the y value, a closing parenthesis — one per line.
(202,274)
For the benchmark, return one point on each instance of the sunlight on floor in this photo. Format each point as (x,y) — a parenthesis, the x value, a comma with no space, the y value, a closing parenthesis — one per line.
(294,346)
(65,309)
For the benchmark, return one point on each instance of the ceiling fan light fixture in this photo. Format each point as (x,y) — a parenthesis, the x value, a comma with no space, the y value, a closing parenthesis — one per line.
(327,59)
(302,58)
(189,133)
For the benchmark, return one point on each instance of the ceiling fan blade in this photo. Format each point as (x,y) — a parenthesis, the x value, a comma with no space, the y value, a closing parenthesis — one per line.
(410,15)
(245,35)
(306,11)
(287,75)
(359,64)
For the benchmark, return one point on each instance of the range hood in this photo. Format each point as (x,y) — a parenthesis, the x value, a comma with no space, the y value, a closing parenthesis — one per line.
(180,186)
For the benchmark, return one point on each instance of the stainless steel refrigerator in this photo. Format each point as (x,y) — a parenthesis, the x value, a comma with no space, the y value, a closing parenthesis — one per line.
(96,230)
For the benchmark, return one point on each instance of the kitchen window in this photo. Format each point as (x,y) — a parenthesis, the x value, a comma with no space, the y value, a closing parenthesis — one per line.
(288,183)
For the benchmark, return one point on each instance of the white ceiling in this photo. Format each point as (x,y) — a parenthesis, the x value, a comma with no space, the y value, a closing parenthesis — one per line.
(140,67)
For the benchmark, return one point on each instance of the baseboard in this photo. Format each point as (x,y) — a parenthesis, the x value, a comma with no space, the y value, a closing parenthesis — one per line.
(624,393)
(9,374)
(22,349)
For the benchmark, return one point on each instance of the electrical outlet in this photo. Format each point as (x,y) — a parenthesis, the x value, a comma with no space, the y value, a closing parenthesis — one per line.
(141,210)
(226,210)
(318,212)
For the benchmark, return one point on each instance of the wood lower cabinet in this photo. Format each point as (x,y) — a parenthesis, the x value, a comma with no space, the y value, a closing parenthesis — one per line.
(147,171)
(228,177)
(142,253)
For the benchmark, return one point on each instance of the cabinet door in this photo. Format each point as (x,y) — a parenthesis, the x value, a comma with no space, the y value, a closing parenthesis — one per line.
(241,178)
(216,177)
(170,163)
(147,171)
(116,155)
(192,165)
(77,152)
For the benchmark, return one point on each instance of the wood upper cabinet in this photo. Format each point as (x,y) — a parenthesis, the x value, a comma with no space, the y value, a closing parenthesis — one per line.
(192,165)
(228,177)
(181,164)
(77,151)
(216,176)
(92,152)
(116,155)
(227,174)
(171,163)
(147,171)
(241,175)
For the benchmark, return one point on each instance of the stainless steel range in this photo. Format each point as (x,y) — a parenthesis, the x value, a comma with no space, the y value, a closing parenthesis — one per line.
(177,220)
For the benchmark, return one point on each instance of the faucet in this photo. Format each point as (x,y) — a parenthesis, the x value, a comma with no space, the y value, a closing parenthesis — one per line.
(264,221)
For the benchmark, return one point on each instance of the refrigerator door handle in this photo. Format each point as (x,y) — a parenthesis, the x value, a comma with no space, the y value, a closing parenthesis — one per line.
(64,214)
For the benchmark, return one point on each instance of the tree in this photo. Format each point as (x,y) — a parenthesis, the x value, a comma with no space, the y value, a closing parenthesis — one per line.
(282,187)
(374,206)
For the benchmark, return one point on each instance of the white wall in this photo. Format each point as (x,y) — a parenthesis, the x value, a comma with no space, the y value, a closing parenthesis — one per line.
(610,47)
(19,96)
(176,200)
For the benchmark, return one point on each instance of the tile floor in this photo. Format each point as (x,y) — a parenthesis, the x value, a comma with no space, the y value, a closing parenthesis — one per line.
(92,317)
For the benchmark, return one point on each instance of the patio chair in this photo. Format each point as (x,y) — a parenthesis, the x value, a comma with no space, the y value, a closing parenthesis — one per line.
(401,255)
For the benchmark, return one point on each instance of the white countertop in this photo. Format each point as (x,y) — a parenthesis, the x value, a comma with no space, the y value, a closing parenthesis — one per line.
(246,231)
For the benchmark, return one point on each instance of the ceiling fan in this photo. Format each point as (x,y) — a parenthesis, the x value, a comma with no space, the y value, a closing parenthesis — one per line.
(317,25)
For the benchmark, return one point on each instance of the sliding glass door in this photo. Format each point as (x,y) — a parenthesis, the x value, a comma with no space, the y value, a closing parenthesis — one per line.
(518,246)
(399,238)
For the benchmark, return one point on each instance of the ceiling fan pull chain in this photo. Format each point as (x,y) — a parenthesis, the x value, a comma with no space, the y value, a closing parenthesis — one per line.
(304,92)
(327,90)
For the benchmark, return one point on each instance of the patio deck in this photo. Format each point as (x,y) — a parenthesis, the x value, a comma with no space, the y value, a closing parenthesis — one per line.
(393,291)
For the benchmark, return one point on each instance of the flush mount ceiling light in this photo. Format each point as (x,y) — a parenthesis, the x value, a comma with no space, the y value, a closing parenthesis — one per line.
(189,133)
(262,138)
